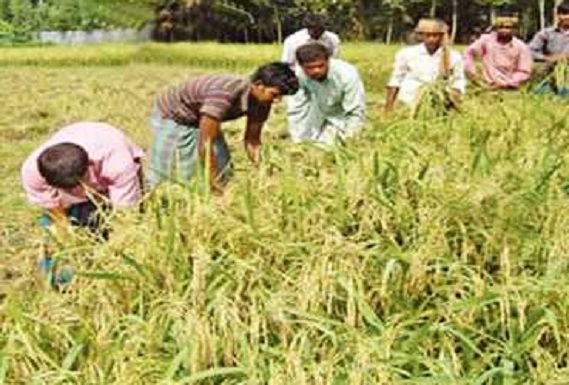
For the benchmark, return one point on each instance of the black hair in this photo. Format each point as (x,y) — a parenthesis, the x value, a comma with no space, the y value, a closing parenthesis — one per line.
(63,165)
(308,53)
(278,75)
(563,8)
(314,21)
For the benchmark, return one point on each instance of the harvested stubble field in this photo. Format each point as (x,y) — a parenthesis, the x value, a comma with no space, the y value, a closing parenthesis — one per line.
(425,252)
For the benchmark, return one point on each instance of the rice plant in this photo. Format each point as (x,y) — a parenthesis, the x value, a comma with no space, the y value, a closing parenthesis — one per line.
(426,251)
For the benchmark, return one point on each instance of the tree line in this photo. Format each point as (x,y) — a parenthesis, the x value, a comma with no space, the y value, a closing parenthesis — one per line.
(265,20)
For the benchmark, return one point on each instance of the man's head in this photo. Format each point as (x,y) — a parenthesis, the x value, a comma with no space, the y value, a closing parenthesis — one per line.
(63,165)
(563,15)
(505,26)
(314,58)
(315,26)
(432,33)
(272,81)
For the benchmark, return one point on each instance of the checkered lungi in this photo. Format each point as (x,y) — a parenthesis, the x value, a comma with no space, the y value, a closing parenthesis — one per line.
(174,152)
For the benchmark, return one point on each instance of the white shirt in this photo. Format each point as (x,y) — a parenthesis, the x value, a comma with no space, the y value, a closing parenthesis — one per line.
(415,67)
(292,42)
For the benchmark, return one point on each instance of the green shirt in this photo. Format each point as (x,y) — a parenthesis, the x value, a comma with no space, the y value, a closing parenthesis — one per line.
(323,110)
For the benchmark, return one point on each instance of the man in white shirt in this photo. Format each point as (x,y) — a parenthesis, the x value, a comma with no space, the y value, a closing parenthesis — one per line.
(424,63)
(329,107)
(314,32)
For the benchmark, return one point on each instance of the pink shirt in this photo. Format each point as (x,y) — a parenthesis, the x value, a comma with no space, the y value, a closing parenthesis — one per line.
(505,65)
(114,164)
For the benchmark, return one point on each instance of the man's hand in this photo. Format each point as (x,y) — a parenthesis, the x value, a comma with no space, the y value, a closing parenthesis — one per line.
(60,228)
(253,150)
(477,80)
(252,141)
(390,98)
(210,129)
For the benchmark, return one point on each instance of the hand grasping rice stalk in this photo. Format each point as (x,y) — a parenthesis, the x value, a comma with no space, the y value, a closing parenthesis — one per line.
(437,98)
(560,76)
(557,78)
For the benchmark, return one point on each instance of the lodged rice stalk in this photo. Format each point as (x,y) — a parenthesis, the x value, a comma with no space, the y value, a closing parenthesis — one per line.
(421,252)
(558,78)
(434,100)
(560,75)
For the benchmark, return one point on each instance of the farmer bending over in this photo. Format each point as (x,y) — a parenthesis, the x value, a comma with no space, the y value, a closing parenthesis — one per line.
(187,121)
(80,168)
(425,63)
(313,32)
(330,104)
(506,60)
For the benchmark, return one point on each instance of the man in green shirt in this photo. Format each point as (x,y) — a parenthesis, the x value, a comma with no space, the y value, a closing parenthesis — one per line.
(330,104)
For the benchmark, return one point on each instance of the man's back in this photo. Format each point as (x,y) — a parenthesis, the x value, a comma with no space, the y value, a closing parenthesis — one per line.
(216,95)
(112,162)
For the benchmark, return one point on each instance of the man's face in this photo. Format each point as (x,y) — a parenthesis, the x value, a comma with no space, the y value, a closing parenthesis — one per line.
(315,32)
(432,40)
(79,190)
(563,20)
(265,94)
(317,69)
(505,32)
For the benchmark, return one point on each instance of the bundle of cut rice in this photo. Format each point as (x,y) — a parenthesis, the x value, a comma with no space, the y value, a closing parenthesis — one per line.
(435,100)
(560,76)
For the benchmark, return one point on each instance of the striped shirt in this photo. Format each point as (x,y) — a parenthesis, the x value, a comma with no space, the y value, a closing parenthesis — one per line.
(222,97)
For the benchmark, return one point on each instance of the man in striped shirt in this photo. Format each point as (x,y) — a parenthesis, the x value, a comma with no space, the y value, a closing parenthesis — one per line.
(187,121)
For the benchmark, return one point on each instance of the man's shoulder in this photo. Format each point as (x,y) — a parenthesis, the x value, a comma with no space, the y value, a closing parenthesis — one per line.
(485,37)
(345,70)
(302,33)
(215,76)
(454,51)
(88,131)
(546,31)
(217,81)
(343,65)
(410,50)
(333,36)
(455,55)
(520,43)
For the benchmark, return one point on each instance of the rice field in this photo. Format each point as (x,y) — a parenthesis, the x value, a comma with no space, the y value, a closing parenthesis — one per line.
(427,251)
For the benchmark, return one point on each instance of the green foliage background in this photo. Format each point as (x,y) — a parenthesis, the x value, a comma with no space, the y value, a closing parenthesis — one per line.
(261,20)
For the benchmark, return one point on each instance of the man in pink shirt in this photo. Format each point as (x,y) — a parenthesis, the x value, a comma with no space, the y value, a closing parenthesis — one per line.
(506,60)
(81,161)
(81,167)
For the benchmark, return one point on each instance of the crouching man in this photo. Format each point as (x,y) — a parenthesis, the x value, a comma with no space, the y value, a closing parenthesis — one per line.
(79,169)
(187,121)
(330,104)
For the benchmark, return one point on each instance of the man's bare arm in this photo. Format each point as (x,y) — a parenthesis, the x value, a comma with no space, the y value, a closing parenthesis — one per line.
(252,140)
(210,129)
(392,93)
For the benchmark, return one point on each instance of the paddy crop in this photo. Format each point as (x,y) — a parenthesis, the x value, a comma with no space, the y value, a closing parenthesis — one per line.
(426,251)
